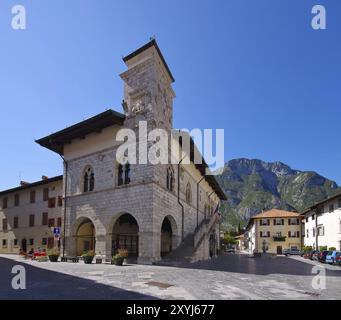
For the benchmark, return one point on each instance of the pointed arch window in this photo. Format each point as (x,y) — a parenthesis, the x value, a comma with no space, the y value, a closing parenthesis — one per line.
(123,174)
(170,179)
(188,193)
(88,180)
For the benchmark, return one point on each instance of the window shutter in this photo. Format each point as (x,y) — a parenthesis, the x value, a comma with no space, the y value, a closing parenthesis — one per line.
(268,222)
(268,234)
(298,234)
(282,222)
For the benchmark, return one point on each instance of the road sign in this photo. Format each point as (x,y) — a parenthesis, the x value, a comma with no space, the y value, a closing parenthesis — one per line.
(56,232)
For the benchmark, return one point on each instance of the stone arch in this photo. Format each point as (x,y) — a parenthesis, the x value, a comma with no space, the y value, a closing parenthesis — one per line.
(124,231)
(169,235)
(84,232)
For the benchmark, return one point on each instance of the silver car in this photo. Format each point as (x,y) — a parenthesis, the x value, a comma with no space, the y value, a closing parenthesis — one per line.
(292,252)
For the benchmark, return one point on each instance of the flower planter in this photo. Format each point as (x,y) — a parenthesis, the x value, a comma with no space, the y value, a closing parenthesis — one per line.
(88,259)
(118,261)
(53,258)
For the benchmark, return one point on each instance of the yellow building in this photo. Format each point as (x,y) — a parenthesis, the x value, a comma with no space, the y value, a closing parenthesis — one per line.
(274,230)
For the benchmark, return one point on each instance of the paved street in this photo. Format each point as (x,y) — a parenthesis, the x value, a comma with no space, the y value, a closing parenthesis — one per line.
(232,276)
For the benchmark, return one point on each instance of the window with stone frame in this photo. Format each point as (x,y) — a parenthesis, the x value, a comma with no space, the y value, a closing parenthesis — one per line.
(265,234)
(320,230)
(16,200)
(170,179)
(31,220)
(46,194)
(123,174)
(293,222)
(5,203)
(88,180)
(4,225)
(278,222)
(32,197)
(264,222)
(16,223)
(188,193)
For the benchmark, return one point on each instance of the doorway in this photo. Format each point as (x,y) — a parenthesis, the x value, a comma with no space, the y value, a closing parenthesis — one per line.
(24,245)
(279,250)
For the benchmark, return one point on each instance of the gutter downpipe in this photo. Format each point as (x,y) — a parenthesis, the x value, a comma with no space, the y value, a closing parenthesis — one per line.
(182,206)
(202,178)
(65,193)
(209,198)
(316,232)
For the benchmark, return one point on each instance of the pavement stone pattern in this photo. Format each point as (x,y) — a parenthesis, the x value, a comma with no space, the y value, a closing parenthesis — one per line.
(231,276)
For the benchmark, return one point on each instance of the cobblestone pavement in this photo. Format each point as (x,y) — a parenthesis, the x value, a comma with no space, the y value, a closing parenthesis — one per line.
(232,276)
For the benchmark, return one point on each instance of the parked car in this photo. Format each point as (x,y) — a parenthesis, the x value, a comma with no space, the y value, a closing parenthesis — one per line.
(309,254)
(338,259)
(315,255)
(322,256)
(231,250)
(331,256)
(292,251)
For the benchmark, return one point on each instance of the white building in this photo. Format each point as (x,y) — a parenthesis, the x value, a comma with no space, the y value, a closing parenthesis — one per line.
(322,224)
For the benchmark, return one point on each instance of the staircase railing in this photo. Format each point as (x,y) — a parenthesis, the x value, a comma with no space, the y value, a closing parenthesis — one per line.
(204,227)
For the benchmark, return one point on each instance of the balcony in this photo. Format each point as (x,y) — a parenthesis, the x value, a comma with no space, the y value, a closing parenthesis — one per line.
(279,238)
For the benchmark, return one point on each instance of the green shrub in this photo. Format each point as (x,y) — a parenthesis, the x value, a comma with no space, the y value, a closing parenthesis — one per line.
(323,248)
(332,249)
(307,249)
(89,253)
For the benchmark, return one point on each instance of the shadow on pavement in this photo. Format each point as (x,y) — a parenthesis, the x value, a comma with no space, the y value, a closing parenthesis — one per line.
(49,285)
(241,263)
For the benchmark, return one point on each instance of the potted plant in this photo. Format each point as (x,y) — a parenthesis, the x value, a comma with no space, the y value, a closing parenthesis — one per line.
(88,256)
(118,258)
(53,254)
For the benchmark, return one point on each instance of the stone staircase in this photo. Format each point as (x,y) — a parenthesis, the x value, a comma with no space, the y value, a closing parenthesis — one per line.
(185,253)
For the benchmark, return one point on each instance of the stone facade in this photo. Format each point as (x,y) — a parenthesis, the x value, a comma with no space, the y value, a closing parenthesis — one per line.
(138,208)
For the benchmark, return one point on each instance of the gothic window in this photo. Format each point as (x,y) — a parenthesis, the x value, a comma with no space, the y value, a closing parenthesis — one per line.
(88,180)
(123,174)
(170,179)
(188,193)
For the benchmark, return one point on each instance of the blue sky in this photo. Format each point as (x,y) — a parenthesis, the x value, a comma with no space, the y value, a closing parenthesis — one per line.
(255,68)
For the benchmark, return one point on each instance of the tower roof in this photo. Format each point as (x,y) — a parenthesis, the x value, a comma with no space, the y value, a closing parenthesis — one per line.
(148,45)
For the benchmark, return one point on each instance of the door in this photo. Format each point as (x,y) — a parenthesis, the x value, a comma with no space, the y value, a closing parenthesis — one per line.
(24,245)
(279,249)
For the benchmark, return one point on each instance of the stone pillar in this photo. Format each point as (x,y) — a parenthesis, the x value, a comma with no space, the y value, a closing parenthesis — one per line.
(149,247)
(70,246)
(100,246)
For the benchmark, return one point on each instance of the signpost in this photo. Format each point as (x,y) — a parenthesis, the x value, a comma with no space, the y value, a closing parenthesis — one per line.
(56,232)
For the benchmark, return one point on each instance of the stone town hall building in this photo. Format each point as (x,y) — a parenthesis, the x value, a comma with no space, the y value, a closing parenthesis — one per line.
(154,211)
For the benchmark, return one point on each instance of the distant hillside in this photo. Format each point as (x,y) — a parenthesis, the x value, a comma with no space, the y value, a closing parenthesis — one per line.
(254,185)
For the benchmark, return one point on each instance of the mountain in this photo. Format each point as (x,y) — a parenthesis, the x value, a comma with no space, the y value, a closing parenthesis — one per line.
(254,185)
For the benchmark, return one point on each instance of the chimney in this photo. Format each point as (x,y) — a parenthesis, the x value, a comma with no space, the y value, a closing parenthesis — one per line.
(44,178)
